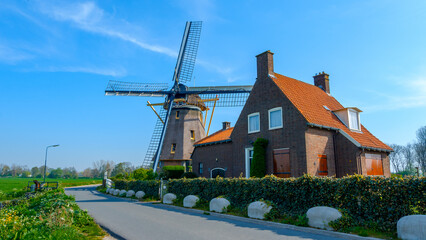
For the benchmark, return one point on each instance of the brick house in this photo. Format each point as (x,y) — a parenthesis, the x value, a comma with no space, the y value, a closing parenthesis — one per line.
(308,130)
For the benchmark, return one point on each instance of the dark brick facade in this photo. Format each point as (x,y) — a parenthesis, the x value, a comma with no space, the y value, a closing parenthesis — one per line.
(304,142)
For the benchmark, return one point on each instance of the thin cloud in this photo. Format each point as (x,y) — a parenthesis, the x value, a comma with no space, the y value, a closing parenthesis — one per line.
(120,72)
(410,94)
(10,55)
(89,17)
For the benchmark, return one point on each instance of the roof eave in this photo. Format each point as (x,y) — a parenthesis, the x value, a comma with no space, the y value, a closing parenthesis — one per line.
(212,143)
(355,142)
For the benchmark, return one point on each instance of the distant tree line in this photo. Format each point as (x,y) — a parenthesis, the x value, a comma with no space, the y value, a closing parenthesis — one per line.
(120,170)
(406,159)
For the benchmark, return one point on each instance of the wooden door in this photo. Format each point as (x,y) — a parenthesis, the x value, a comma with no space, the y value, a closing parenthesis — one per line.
(322,168)
(374,164)
(282,167)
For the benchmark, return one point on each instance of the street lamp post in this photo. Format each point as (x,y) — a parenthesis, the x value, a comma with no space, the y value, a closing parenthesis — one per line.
(45,160)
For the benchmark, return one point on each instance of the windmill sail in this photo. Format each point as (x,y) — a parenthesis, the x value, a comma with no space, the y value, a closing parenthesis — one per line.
(188,52)
(136,89)
(155,141)
(179,96)
(229,96)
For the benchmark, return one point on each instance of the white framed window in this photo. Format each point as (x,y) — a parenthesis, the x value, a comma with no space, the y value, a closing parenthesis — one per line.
(253,122)
(354,123)
(249,158)
(275,118)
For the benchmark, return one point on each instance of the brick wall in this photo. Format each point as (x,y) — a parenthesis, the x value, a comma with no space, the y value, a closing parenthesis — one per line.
(347,157)
(319,142)
(264,96)
(213,156)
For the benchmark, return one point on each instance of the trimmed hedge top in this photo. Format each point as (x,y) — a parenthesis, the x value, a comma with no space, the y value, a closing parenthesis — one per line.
(368,199)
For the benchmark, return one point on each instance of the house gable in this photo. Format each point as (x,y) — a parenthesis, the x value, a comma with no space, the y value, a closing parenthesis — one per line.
(264,96)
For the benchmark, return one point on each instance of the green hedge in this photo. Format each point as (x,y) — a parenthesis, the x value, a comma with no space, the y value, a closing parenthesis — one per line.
(150,187)
(366,199)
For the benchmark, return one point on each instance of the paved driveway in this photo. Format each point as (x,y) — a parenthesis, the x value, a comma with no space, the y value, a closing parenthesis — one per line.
(126,219)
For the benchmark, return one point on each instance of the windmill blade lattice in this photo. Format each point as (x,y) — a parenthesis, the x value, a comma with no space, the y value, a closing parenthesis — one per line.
(226,100)
(136,89)
(190,52)
(229,96)
(155,141)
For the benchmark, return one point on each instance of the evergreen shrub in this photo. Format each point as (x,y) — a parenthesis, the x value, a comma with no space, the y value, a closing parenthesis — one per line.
(258,164)
(150,187)
(367,200)
(172,172)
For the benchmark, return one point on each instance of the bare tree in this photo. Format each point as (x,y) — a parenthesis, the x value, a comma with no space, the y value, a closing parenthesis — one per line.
(101,166)
(420,149)
(410,158)
(397,158)
(87,173)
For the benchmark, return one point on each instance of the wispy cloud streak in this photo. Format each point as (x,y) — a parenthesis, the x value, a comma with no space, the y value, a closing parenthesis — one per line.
(89,17)
(409,94)
(113,72)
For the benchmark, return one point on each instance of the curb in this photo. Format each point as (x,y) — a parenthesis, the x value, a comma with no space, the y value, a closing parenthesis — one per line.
(260,222)
(274,224)
(90,185)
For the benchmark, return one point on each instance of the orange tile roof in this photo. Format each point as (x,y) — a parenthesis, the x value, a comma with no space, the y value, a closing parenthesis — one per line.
(221,135)
(310,101)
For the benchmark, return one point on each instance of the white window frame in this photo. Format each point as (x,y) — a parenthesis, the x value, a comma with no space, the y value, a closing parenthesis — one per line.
(248,122)
(269,117)
(247,150)
(349,120)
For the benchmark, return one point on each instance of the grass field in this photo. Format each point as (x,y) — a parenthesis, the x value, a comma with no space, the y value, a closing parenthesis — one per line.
(9,185)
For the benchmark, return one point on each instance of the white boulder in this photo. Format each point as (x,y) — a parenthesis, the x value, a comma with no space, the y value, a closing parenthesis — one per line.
(122,192)
(116,192)
(412,227)
(169,198)
(107,190)
(258,209)
(130,193)
(319,217)
(140,194)
(190,201)
(219,205)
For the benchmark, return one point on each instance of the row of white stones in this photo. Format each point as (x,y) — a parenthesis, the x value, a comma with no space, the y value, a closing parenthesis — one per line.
(408,227)
(124,193)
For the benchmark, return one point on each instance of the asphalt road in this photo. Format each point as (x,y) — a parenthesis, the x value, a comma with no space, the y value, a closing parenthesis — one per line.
(125,219)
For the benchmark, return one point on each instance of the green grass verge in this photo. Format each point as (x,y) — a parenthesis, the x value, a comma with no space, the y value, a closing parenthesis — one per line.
(15,187)
(47,215)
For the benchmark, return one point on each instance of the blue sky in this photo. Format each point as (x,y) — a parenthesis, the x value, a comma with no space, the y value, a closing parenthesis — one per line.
(56,58)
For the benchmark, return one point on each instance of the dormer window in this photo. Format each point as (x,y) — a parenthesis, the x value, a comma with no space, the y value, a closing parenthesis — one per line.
(354,120)
(349,117)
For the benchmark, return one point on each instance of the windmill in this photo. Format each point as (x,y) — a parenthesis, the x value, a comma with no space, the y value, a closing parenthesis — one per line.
(180,119)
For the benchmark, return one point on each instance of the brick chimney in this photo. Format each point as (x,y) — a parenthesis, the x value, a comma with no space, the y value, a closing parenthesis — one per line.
(226,125)
(265,64)
(321,81)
